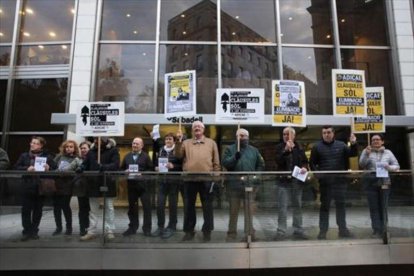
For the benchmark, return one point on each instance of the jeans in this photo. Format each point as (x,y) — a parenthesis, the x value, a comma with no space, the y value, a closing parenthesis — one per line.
(170,190)
(378,203)
(139,190)
(237,194)
(32,205)
(206,195)
(332,188)
(291,190)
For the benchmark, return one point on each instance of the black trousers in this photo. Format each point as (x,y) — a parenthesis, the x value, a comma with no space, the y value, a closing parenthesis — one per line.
(332,188)
(32,205)
(206,195)
(61,203)
(138,190)
(84,208)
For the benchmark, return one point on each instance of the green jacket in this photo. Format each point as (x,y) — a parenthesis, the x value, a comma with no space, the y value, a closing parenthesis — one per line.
(250,160)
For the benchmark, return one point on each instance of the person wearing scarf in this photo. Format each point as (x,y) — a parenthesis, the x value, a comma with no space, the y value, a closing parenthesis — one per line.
(377,188)
(32,201)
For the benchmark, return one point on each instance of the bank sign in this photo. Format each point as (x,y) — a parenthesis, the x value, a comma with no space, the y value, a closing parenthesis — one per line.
(100,119)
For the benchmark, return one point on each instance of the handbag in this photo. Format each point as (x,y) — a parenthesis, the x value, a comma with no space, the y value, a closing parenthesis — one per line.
(47,186)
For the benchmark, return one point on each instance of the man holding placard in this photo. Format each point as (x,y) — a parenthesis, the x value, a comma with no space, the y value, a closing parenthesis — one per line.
(332,155)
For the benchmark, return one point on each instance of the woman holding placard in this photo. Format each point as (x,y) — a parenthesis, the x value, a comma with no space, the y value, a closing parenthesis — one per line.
(376,183)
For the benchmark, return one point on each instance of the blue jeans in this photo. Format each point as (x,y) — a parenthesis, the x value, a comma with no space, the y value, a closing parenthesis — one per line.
(169,189)
(291,190)
(332,188)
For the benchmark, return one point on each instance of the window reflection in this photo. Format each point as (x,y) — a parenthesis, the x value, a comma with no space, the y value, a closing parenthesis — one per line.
(194,20)
(238,71)
(43,54)
(313,67)
(46,20)
(376,64)
(3,89)
(34,101)
(239,20)
(7,13)
(306,21)
(5,56)
(192,57)
(126,73)
(129,20)
(362,22)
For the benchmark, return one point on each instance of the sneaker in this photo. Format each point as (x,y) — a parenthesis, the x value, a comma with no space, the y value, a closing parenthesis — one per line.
(300,236)
(322,236)
(345,234)
(168,232)
(188,236)
(206,236)
(157,232)
(129,232)
(88,237)
(280,236)
(58,231)
(110,236)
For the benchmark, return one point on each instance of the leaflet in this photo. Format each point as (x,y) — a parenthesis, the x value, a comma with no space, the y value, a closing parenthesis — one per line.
(300,176)
(381,171)
(162,164)
(40,163)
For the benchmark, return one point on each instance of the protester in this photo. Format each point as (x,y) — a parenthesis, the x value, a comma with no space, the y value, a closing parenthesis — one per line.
(288,155)
(244,159)
(377,188)
(138,187)
(32,201)
(200,154)
(330,154)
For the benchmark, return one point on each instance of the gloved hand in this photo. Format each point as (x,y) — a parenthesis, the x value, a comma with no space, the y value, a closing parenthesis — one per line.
(238,155)
(80,169)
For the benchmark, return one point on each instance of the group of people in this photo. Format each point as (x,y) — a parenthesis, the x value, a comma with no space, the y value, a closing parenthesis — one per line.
(198,157)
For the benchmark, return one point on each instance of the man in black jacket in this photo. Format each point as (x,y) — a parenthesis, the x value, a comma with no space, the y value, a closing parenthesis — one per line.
(138,187)
(332,155)
(288,155)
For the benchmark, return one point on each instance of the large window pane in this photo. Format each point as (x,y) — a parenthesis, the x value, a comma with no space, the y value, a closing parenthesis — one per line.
(34,101)
(306,21)
(313,67)
(239,20)
(126,73)
(7,14)
(43,54)
(377,67)
(193,20)
(3,89)
(47,20)
(129,20)
(5,56)
(250,66)
(362,22)
(203,59)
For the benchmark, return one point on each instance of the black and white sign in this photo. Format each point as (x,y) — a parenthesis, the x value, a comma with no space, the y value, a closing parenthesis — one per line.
(240,105)
(100,119)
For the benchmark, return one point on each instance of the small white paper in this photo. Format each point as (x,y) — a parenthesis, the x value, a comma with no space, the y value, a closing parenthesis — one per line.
(162,164)
(63,166)
(296,174)
(156,132)
(40,163)
(133,168)
(381,170)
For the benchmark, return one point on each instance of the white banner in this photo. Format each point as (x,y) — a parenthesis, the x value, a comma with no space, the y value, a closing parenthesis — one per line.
(100,119)
(180,94)
(240,105)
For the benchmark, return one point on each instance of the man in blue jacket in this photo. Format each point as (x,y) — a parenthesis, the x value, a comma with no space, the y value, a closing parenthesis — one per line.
(332,155)
(245,159)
